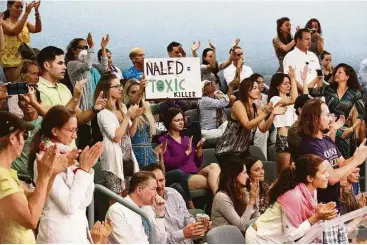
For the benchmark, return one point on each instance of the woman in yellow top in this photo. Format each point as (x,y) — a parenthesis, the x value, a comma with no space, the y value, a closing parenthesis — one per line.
(16,31)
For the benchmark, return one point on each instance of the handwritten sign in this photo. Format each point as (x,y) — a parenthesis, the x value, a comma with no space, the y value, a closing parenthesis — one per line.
(172,78)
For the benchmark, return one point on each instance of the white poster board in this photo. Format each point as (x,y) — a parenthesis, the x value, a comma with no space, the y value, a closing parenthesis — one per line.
(172,78)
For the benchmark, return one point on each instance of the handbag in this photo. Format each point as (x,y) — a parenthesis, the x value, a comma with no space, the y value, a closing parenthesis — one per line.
(27,52)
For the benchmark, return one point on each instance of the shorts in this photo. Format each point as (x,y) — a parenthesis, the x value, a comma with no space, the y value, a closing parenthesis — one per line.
(113,182)
(281,144)
(116,184)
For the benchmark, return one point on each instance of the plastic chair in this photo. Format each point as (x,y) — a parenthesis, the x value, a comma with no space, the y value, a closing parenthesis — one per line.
(226,234)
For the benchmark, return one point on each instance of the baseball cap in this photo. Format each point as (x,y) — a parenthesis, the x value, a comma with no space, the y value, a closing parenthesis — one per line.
(301,100)
(10,122)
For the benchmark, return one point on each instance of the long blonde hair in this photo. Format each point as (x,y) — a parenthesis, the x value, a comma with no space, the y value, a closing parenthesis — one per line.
(148,112)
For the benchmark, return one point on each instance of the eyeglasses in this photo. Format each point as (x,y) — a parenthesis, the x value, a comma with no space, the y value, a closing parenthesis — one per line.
(83,47)
(118,86)
(75,130)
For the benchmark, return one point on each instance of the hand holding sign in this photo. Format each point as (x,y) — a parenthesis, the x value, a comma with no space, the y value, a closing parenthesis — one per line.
(172,78)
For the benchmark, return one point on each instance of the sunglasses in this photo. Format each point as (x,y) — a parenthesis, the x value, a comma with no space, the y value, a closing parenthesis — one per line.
(82,47)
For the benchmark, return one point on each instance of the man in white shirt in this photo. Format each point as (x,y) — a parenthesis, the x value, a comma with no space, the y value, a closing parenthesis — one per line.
(300,58)
(128,226)
(180,226)
(230,72)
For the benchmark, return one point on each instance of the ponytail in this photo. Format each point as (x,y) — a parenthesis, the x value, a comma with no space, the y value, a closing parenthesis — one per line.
(284,183)
(6,14)
(305,165)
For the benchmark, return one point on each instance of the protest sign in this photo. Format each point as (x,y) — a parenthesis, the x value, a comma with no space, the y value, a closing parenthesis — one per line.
(172,78)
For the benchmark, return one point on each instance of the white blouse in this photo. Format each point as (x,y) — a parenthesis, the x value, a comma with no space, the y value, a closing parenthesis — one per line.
(289,116)
(111,159)
(64,218)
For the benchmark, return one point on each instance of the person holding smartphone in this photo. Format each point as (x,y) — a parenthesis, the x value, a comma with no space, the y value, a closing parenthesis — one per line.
(341,96)
(317,41)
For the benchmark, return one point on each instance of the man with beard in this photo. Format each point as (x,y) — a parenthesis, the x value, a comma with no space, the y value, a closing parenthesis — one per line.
(180,226)
(315,122)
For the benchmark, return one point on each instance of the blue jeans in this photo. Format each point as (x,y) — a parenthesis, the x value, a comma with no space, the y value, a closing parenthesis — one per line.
(177,179)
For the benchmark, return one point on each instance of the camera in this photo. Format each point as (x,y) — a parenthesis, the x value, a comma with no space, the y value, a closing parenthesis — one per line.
(19,88)
(319,73)
(313,31)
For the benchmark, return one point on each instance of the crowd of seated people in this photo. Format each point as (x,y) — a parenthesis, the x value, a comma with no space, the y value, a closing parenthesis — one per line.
(272,161)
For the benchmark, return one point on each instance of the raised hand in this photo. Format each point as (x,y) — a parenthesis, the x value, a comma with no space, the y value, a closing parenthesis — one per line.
(30,97)
(291,73)
(29,6)
(326,211)
(89,156)
(139,112)
(46,161)
(189,147)
(362,201)
(361,152)
(78,88)
(37,5)
(218,94)
(304,73)
(72,156)
(132,111)
(211,45)
(268,108)
(101,102)
(254,191)
(195,46)
(236,42)
(347,132)
(200,144)
(105,41)
(339,123)
(90,40)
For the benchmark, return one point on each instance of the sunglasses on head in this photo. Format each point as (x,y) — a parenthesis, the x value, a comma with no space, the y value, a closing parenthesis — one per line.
(85,47)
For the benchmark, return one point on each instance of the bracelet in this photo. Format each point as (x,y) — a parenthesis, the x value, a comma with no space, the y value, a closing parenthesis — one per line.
(95,110)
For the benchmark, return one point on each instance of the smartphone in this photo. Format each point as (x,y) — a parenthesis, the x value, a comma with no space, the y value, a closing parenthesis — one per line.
(319,73)
(17,88)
